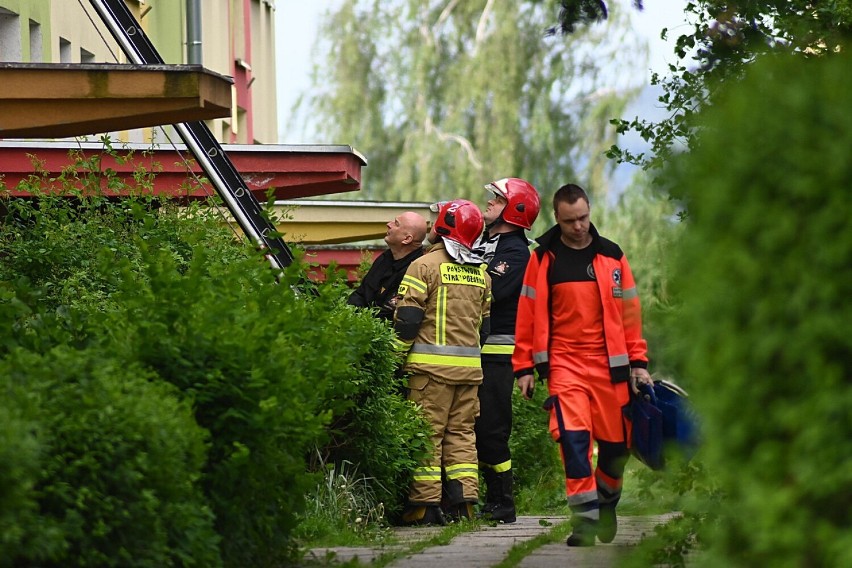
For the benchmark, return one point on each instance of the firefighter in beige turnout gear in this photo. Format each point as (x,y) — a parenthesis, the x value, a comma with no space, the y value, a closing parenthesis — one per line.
(441,318)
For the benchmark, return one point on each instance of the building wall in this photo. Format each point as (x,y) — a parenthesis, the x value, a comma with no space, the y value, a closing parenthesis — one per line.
(164,22)
(24,30)
(237,41)
(263,70)
(73,38)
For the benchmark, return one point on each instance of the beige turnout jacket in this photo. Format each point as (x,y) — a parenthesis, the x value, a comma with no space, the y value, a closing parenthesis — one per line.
(442,310)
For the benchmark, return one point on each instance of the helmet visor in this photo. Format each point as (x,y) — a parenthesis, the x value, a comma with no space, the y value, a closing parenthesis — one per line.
(498,190)
(436,207)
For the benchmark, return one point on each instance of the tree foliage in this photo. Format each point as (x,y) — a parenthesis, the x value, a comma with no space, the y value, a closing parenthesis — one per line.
(724,38)
(763,274)
(443,96)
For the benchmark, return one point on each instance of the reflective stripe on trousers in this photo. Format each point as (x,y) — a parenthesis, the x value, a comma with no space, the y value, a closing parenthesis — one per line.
(585,406)
(451,410)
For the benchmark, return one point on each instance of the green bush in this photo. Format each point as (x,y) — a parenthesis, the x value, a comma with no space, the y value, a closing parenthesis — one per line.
(62,245)
(764,280)
(375,428)
(255,359)
(105,468)
(20,526)
(536,465)
(59,254)
(274,371)
(13,309)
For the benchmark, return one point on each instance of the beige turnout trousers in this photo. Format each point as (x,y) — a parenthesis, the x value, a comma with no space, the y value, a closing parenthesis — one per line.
(451,409)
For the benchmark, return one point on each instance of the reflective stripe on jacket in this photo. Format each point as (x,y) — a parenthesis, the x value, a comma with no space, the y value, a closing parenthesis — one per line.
(444,308)
(621,310)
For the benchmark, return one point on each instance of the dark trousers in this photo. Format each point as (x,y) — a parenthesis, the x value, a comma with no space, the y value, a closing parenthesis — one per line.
(494,424)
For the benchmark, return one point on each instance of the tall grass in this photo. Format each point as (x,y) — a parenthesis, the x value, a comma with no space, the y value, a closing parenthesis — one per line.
(343,509)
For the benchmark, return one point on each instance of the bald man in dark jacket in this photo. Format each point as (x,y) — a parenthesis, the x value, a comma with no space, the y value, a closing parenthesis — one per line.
(379,287)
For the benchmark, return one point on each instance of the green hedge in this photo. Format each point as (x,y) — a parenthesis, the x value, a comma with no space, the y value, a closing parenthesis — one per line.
(100,466)
(764,278)
(19,469)
(275,372)
(255,361)
(375,428)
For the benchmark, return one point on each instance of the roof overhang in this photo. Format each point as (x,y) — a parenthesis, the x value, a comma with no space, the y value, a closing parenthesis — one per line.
(41,100)
(290,171)
(333,222)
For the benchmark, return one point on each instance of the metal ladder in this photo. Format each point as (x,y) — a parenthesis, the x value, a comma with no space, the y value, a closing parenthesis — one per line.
(207,151)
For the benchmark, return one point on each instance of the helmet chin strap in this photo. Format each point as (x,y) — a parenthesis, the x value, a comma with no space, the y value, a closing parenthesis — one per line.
(495,222)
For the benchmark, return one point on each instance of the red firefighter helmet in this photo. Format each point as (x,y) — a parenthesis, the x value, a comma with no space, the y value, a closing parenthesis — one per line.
(523,203)
(459,220)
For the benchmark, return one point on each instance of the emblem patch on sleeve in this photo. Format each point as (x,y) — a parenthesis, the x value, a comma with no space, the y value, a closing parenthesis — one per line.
(617,291)
(616,277)
(501,268)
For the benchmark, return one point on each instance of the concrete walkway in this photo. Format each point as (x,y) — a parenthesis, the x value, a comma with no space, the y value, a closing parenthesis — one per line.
(488,546)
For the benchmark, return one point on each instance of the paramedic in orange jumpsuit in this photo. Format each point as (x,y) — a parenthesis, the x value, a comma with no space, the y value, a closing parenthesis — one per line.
(579,327)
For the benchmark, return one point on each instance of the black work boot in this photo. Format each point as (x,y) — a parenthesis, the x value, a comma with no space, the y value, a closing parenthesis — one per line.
(423,515)
(504,511)
(493,492)
(608,523)
(459,511)
(584,532)
(454,503)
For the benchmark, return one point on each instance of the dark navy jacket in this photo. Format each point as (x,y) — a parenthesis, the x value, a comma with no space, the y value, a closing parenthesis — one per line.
(379,287)
(506,269)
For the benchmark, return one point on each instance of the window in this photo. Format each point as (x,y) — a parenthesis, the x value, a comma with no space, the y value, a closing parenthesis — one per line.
(10,36)
(36,54)
(65,51)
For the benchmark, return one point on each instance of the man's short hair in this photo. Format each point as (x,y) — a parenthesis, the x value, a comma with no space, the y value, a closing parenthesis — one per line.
(569,193)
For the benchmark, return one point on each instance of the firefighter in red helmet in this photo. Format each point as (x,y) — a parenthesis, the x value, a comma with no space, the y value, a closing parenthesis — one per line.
(503,245)
(522,201)
(442,310)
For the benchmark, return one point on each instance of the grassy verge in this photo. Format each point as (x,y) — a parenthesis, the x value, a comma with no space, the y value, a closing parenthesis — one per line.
(393,548)
(517,553)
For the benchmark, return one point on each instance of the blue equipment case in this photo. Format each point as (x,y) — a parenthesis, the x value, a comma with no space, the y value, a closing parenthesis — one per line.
(661,416)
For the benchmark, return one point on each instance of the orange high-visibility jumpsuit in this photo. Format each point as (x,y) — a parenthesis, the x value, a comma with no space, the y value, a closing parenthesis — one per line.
(579,326)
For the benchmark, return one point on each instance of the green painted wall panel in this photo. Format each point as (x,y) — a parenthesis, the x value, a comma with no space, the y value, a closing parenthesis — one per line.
(164,24)
(37,11)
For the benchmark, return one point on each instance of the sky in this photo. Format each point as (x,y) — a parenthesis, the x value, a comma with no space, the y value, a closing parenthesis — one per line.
(296,23)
